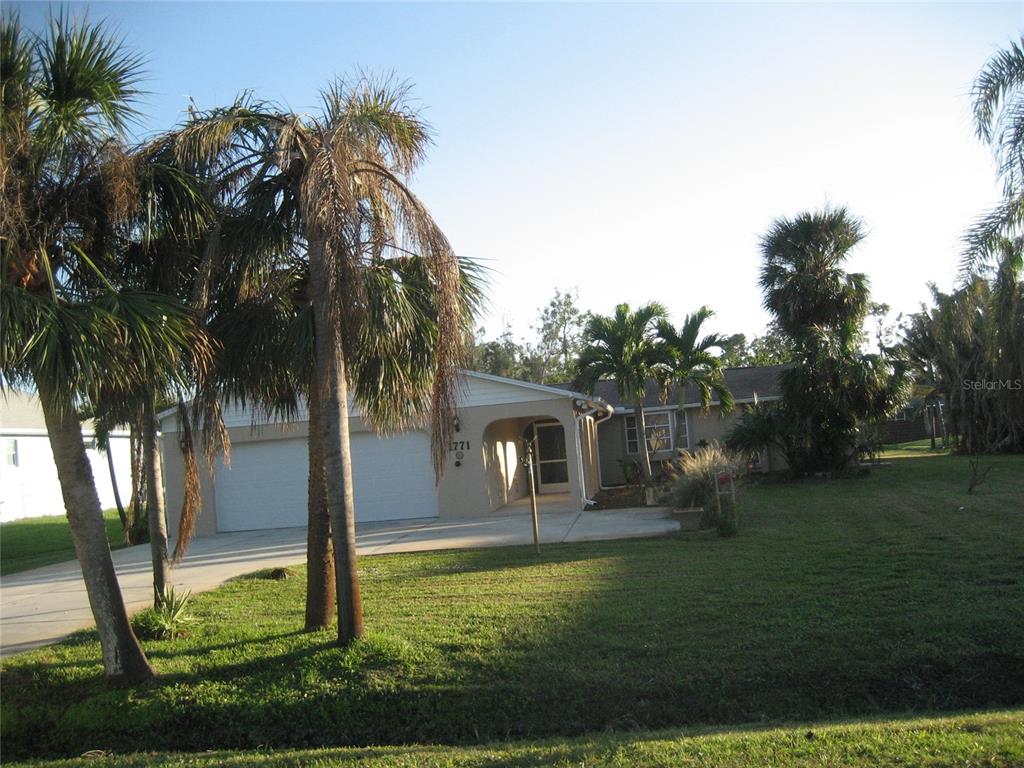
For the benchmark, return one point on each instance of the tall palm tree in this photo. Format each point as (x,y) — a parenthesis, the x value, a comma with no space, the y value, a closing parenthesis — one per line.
(67,196)
(342,178)
(625,347)
(998,102)
(268,361)
(971,341)
(692,361)
(820,308)
(160,255)
(802,277)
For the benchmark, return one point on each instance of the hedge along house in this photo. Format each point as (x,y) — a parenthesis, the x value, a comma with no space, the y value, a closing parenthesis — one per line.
(676,424)
(265,484)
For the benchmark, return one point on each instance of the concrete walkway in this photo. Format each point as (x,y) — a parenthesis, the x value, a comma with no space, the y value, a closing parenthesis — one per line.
(43,605)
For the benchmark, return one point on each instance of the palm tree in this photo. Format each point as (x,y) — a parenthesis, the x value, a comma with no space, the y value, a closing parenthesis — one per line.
(803,280)
(625,347)
(341,179)
(832,389)
(998,97)
(692,361)
(160,255)
(68,193)
(971,343)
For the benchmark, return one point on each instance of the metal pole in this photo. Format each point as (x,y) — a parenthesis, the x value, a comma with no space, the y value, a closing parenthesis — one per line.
(533,499)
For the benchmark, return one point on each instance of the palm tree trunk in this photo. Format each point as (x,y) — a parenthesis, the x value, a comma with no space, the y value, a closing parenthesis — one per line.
(113,484)
(135,505)
(123,659)
(320,595)
(333,391)
(155,502)
(641,436)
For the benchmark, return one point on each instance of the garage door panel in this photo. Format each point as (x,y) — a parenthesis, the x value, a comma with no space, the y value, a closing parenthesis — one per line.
(265,486)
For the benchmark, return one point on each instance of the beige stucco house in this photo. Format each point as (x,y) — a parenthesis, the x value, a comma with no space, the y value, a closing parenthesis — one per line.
(264,486)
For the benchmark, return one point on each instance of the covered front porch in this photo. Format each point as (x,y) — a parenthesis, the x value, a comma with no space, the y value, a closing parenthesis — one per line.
(563,457)
(547,504)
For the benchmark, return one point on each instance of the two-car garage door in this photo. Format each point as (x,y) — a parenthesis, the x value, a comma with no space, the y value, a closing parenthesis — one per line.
(265,486)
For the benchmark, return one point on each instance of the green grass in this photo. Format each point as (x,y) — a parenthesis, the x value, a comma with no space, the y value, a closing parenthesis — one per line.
(914,448)
(37,541)
(990,740)
(892,594)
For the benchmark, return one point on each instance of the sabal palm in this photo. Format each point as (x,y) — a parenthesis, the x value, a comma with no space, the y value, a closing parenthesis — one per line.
(691,358)
(820,308)
(68,197)
(802,276)
(625,347)
(340,180)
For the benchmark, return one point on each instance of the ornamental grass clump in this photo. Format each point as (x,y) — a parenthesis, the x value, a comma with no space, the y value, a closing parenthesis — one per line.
(693,477)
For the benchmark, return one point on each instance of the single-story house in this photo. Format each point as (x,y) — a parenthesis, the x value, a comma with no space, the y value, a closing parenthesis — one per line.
(29,486)
(265,483)
(680,423)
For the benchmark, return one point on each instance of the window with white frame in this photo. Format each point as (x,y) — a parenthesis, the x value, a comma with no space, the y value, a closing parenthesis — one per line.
(659,432)
(682,432)
(12,453)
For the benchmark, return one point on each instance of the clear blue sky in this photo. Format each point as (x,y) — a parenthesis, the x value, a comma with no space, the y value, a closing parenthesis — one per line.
(635,152)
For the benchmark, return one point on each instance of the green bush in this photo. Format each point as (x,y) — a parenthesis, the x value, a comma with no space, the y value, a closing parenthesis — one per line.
(167,620)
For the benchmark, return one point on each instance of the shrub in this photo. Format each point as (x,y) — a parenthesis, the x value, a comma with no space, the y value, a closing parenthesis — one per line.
(165,622)
(693,478)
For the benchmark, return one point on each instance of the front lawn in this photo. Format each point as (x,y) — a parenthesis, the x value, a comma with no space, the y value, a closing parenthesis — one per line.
(893,593)
(37,541)
(992,740)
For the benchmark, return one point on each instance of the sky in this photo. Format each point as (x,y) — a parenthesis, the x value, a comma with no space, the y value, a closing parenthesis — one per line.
(631,152)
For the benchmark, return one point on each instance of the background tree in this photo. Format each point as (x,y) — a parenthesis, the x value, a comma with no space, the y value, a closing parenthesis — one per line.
(560,332)
(502,356)
(67,196)
(969,344)
(770,348)
(625,347)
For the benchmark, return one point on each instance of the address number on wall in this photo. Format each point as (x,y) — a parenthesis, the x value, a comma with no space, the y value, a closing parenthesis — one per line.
(459,445)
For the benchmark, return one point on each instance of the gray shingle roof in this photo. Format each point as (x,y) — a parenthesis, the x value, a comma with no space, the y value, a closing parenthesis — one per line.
(744,383)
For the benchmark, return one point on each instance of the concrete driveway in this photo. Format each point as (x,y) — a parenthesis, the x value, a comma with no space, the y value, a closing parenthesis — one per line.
(45,604)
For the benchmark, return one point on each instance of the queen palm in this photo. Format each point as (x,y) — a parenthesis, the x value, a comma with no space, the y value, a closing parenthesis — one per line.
(625,347)
(68,197)
(341,177)
(691,358)
(268,361)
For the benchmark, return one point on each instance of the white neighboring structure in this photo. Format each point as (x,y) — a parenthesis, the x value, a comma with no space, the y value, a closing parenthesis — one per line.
(28,477)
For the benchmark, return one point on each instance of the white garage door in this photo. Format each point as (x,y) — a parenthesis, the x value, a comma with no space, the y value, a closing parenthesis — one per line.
(265,486)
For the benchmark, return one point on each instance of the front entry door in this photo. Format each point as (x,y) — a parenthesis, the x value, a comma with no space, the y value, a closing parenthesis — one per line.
(552,463)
